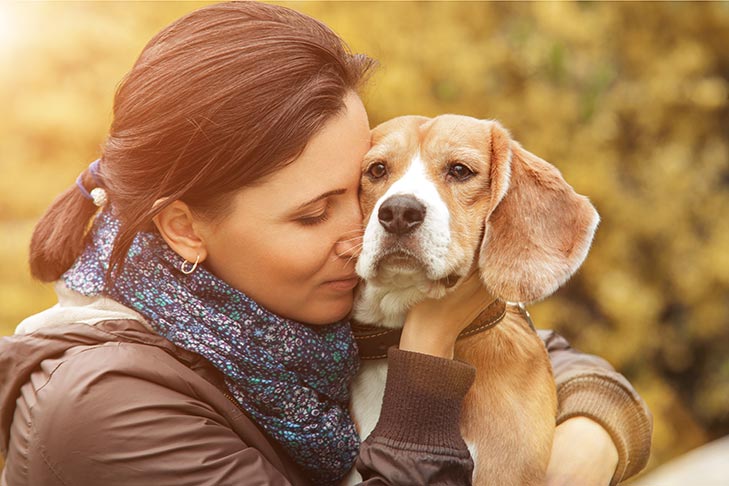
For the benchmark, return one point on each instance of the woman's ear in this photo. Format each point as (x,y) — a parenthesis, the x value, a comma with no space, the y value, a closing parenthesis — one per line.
(177,226)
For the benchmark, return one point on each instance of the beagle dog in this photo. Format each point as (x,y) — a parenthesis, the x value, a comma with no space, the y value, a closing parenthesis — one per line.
(442,196)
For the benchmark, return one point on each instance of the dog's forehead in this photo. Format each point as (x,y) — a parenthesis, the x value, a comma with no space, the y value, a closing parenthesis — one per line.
(399,134)
(413,134)
(452,131)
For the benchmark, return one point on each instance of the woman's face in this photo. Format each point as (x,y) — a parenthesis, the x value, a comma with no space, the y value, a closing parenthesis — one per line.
(288,242)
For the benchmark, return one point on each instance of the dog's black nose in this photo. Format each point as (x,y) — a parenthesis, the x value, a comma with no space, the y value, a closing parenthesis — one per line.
(401,214)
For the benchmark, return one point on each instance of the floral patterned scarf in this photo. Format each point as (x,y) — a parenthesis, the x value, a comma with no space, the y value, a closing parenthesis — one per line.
(292,379)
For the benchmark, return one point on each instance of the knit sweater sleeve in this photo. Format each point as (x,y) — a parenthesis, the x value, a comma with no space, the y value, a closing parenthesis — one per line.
(588,386)
(417,439)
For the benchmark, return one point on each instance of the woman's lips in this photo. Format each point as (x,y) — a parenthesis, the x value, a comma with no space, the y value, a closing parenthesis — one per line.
(343,284)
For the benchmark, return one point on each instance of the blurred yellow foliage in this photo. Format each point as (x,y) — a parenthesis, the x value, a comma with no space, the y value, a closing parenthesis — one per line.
(629,100)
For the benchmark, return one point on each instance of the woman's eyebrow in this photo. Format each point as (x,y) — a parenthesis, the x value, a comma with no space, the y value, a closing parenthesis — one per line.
(334,192)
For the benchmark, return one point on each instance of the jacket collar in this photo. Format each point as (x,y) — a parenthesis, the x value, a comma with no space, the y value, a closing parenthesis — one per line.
(73,307)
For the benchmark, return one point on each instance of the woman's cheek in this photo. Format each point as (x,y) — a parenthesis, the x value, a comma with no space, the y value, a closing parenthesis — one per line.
(304,255)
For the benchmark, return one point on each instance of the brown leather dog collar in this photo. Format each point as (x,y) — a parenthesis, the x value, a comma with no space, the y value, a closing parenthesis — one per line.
(373,341)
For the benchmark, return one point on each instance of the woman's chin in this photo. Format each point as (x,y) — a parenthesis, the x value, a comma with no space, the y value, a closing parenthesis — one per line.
(329,311)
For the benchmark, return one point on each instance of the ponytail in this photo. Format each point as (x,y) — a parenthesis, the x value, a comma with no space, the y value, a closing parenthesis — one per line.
(59,237)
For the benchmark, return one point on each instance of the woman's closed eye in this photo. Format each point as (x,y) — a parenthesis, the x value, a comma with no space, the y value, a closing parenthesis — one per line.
(310,220)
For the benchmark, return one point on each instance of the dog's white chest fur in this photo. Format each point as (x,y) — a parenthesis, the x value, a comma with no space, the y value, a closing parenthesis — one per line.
(368,388)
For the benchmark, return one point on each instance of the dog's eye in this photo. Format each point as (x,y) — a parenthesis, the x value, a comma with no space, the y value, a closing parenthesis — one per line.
(460,172)
(378,170)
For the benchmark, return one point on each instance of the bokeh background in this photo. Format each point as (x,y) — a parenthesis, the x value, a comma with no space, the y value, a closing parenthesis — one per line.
(630,101)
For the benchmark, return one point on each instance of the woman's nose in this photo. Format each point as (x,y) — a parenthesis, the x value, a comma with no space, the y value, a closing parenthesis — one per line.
(349,244)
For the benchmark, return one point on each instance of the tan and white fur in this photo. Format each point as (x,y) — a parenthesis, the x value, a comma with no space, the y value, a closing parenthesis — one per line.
(485,202)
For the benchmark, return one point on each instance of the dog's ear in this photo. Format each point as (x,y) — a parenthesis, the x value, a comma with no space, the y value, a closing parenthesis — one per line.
(538,230)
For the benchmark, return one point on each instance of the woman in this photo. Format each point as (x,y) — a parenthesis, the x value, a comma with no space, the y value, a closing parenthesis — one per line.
(201,334)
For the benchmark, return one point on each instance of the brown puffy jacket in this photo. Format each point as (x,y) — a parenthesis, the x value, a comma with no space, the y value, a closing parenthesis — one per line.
(113,403)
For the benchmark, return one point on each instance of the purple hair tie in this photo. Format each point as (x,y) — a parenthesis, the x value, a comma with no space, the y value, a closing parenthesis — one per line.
(97,194)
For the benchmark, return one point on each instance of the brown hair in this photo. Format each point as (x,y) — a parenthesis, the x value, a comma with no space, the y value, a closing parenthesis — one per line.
(216,101)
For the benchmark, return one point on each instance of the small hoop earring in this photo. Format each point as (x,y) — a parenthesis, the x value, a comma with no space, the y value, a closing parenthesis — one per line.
(183,267)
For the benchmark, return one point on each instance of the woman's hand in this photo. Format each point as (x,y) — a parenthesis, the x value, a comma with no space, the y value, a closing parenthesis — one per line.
(582,453)
(432,326)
